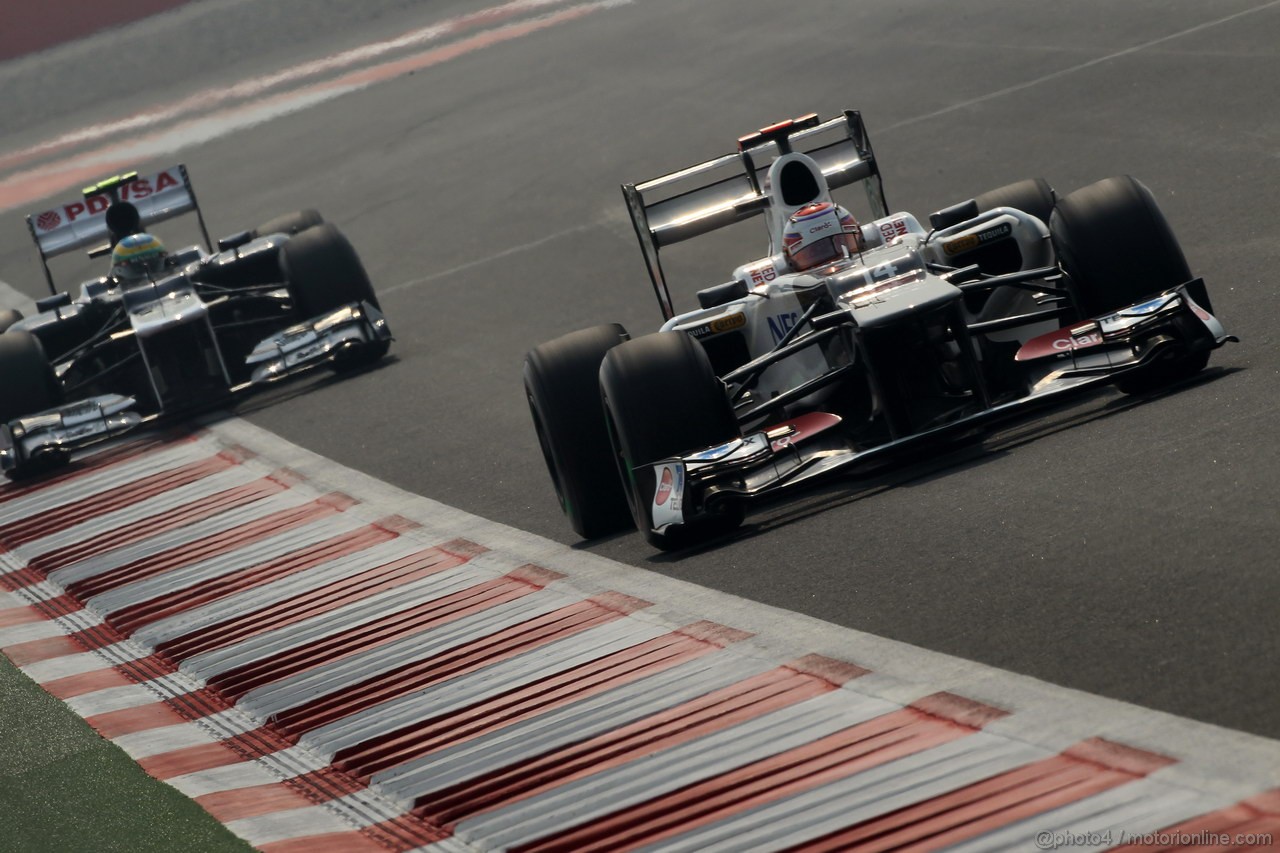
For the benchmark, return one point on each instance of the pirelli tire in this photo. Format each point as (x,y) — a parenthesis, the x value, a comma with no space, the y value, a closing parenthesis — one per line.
(562,387)
(662,398)
(9,316)
(1116,246)
(290,223)
(324,273)
(29,384)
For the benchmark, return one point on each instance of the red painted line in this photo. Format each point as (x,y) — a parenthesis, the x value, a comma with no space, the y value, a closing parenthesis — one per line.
(820,762)
(1086,769)
(253,801)
(193,759)
(1220,830)
(95,464)
(716,711)
(127,721)
(228,687)
(421,564)
(418,675)
(204,100)
(23,615)
(540,697)
(34,527)
(29,186)
(31,29)
(191,513)
(34,651)
(209,546)
(311,603)
(71,686)
(387,629)
(131,618)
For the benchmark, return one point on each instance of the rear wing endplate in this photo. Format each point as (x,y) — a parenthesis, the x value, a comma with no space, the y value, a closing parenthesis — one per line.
(84,222)
(728,189)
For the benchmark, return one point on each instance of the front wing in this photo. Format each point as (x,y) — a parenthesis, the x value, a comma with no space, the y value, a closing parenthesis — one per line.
(46,439)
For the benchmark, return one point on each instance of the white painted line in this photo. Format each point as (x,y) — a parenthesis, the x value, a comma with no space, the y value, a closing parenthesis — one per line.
(1111,57)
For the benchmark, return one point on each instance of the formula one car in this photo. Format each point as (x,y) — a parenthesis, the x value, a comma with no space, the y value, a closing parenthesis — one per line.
(184,332)
(850,343)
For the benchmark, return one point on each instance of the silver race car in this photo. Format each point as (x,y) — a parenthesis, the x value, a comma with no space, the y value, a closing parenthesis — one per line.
(167,333)
(851,342)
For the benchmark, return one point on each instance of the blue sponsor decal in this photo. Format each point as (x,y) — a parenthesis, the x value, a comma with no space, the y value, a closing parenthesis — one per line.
(780,324)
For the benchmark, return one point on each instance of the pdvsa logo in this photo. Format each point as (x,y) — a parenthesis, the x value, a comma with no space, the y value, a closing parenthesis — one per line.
(48,220)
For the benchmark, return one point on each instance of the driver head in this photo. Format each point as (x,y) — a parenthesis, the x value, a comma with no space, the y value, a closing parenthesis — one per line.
(819,234)
(136,257)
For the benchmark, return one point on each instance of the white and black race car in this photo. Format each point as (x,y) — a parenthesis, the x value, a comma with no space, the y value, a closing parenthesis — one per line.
(847,342)
(187,332)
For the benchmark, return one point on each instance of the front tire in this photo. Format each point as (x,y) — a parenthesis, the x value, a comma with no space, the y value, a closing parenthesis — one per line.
(562,386)
(29,384)
(662,398)
(324,273)
(1117,247)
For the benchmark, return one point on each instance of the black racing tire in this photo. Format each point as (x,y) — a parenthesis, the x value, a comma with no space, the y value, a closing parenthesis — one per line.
(562,386)
(324,273)
(1117,247)
(290,223)
(662,398)
(9,316)
(29,384)
(1033,196)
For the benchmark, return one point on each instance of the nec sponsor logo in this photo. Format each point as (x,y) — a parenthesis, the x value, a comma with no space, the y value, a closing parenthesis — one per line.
(969,242)
(780,324)
(96,205)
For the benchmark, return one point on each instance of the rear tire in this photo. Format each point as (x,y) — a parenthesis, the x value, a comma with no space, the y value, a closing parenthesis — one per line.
(9,316)
(1033,196)
(290,223)
(662,398)
(1117,247)
(29,384)
(324,273)
(562,386)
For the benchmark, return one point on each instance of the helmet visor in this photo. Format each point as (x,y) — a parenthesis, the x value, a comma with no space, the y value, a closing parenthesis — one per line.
(823,251)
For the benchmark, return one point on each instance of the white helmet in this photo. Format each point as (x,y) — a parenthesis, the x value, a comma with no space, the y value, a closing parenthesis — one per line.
(818,234)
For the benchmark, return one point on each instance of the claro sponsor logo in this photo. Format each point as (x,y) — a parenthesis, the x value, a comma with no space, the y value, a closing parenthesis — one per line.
(1076,343)
(664,487)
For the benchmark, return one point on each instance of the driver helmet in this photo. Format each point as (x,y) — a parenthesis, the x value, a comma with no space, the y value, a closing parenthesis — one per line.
(818,234)
(137,256)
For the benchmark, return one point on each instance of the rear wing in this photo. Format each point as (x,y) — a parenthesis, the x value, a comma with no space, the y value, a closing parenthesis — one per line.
(92,221)
(728,189)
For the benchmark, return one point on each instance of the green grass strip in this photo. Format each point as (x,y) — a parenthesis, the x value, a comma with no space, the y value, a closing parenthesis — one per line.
(65,788)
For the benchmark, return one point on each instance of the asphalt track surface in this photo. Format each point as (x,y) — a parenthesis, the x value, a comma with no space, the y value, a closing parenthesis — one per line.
(1121,547)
